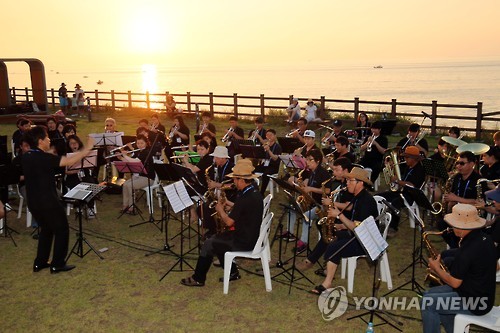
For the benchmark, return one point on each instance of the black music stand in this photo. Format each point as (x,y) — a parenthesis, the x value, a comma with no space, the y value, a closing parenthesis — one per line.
(289,145)
(387,126)
(9,175)
(257,152)
(130,167)
(79,196)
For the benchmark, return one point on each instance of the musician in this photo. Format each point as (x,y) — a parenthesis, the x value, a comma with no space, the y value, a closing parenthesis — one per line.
(342,149)
(179,132)
(233,133)
(491,167)
(454,132)
(309,137)
(143,179)
(470,283)
(23,125)
(311,110)
(245,217)
(293,110)
(312,186)
(496,138)
(412,175)
(206,125)
(271,164)
(144,123)
(298,133)
(363,121)
(157,130)
(156,147)
(363,206)
(410,139)
(110,125)
(43,200)
(69,129)
(211,140)
(439,152)
(52,128)
(374,147)
(337,132)
(258,138)
(202,148)
(341,167)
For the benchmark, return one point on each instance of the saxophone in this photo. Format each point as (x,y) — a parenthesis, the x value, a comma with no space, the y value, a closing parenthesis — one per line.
(446,190)
(304,200)
(319,211)
(220,226)
(433,253)
(327,224)
(209,195)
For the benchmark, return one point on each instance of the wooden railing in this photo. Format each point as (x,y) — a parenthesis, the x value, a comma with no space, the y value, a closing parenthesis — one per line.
(250,106)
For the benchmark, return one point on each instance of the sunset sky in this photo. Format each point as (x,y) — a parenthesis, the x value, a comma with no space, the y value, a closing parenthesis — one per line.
(110,34)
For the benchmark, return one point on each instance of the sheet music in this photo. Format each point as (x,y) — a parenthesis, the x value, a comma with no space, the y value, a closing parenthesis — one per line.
(177,196)
(369,236)
(79,192)
(89,161)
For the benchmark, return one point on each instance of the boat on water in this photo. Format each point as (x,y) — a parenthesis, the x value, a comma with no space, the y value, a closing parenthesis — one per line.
(379,66)
(100,82)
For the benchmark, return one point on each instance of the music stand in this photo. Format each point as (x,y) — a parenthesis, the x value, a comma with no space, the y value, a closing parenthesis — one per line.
(289,145)
(130,167)
(387,126)
(106,140)
(256,152)
(80,195)
(9,175)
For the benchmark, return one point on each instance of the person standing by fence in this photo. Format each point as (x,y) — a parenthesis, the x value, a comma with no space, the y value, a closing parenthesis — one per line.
(80,99)
(63,97)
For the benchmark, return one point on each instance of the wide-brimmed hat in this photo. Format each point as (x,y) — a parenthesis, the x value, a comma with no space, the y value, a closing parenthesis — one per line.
(77,86)
(310,101)
(360,174)
(309,134)
(221,152)
(243,169)
(63,84)
(412,151)
(464,216)
(493,194)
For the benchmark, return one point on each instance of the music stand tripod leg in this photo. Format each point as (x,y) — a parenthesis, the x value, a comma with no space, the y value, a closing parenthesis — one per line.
(81,239)
(8,231)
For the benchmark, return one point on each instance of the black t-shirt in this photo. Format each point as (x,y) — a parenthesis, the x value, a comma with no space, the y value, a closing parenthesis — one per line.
(475,264)
(304,150)
(422,143)
(219,173)
(147,162)
(437,157)
(39,175)
(465,188)
(17,164)
(274,166)
(210,126)
(492,172)
(343,197)
(247,215)
(177,140)
(239,131)
(363,205)
(374,154)
(315,179)
(203,164)
(416,176)
(261,132)
(350,156)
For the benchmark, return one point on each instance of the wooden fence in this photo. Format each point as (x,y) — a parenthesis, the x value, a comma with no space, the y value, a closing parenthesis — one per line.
(442,115)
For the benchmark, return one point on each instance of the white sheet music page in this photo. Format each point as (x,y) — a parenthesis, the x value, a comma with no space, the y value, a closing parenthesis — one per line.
(369,236)
(183,194)
(173,198)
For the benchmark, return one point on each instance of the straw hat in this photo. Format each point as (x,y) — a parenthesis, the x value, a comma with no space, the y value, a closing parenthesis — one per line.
(360,174)
(243,169)
(464,216)
(412,151)
(310,101)
(77,86)
(309,134)
(221,152)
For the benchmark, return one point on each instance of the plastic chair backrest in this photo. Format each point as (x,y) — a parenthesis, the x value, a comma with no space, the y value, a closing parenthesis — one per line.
(264,232)
(267,205)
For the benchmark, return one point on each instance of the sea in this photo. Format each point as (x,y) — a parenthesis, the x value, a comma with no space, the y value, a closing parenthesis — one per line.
(465,82)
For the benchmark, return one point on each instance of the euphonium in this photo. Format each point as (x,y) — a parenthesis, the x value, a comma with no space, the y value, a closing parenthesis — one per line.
(391,169)
(433,253)
(226,136)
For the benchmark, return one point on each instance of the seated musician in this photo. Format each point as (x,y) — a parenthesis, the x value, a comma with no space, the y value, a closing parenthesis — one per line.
(374,147)
(411,140)
(309,137)
(110,125)
(245,218)
(331,136)
(157,130)
(293,110)
(156,147)
(259,133)
(363,124)
(177,138)
(206,126)
(298,133)
(312,186)
(233,133)
(52,128)
(144,123)
(140,180)
(463,190)
(363,206)
(341,167)
(414,175)
(440,151)
(211,140)
(469,283)
(342,149)
(454,132)
(202,148)
(23,125)
(271,164)
(491,167)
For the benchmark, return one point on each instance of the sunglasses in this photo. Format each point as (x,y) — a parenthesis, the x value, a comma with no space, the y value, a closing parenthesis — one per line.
(461,163)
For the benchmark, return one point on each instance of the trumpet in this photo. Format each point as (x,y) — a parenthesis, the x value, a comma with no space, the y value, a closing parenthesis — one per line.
(327,127)
(225,138)
(202,129)
(291,134)
(121,147)
(369,147)
(254,134)
(172,133)
(326,139)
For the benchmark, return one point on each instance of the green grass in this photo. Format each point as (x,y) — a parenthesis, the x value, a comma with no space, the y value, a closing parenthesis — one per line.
(122,293)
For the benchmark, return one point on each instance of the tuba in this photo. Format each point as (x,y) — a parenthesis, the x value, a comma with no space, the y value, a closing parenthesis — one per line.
(391,169)
(433,253)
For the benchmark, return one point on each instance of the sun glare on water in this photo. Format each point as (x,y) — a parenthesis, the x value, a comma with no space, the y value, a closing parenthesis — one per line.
(149,78)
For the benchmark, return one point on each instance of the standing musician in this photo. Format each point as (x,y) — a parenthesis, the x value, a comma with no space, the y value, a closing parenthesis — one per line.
(157,130)
(206,126)
(139,180)
(414,175)
(298,133)
(259,133)
(469,285)
(342,149)
(43,200)
(341,167)
(245,217)
(363,206)
(410,140)
(374,147)
(312,186)
(271,164)
(234,132)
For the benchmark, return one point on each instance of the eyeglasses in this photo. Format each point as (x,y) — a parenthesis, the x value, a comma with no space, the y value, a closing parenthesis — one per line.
(461,163)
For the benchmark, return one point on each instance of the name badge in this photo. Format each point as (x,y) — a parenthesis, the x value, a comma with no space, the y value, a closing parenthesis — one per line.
(266,162)
(179,140)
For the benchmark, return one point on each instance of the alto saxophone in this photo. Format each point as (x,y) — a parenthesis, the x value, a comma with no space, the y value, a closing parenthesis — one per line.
(327,224)
(220,225)
(319,211)
(209,195)
(433,253)
(447,190)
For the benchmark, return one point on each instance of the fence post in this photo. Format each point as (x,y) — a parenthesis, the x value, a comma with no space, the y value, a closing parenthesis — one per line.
(235,104)
(148,104)
(322,106)
(188,101)
(393,108)
(434,117)
(167,93)
(262,105)
(356,108)
(26,91)
(113,100)
(53,98)
(129,99)
(96,102)
(14,94)
(211,103)
(479,120)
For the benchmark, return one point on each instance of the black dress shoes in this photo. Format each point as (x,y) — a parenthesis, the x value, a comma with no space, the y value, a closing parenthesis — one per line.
(64,268)
(38,268)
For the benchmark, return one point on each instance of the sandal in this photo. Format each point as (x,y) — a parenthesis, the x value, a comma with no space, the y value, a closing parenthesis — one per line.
(190,282)
(317,290)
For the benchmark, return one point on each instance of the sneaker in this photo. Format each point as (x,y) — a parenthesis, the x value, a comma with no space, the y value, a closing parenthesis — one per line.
(289,237)
(90,214)
(301,246)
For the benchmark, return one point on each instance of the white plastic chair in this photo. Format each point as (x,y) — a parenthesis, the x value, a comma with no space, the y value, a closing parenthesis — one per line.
(259,252)
(491,321)
(149,195)
(7,209)
(413,207)
(267,205)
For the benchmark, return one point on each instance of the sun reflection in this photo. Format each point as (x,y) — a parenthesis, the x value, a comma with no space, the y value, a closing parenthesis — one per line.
(149,78)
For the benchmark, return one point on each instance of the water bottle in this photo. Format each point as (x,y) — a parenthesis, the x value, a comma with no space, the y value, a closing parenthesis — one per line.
(369,329)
